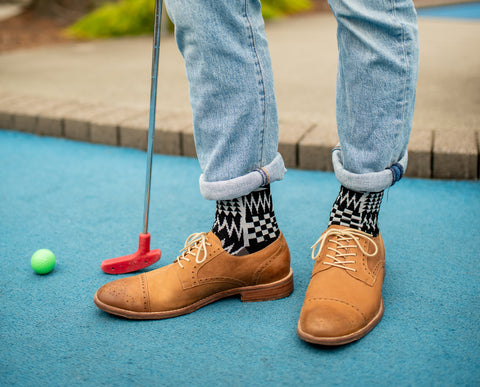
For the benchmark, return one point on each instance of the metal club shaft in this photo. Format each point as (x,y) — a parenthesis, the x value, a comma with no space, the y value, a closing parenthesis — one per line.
(153,105)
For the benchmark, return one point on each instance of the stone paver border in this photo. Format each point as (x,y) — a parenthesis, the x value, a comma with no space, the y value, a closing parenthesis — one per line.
(451,154)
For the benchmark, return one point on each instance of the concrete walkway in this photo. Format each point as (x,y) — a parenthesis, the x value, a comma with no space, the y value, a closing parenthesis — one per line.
(99,92)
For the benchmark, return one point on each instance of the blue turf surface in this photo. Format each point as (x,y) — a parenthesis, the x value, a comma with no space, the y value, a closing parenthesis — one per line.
(455,11)
(85,202)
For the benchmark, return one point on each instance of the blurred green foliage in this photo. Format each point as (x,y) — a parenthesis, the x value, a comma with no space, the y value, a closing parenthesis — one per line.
(136,17)
(272,9)
(126,17)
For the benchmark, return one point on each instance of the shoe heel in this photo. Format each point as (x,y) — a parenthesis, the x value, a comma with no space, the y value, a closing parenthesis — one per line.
(273,291)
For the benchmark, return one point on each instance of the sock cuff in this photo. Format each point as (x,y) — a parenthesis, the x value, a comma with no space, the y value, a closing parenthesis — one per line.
(246,224)
(358,210)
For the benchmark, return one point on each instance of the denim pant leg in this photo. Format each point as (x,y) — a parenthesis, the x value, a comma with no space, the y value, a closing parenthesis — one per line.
(376,85)
(231,92)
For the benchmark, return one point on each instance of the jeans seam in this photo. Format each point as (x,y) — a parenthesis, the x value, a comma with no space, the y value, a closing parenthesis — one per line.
(406,64)
(263,91)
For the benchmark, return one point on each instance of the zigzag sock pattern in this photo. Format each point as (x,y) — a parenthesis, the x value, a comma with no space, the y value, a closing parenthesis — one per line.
(358,210)
(247,224)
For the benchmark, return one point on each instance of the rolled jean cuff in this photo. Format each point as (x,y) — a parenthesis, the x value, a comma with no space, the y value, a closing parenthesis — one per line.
(243,185)
(371,181)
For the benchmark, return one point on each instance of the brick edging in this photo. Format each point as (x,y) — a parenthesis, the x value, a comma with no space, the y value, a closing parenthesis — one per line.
(449,154)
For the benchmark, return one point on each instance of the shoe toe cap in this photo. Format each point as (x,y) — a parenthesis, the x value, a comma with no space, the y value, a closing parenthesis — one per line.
(330,319)
(124,293)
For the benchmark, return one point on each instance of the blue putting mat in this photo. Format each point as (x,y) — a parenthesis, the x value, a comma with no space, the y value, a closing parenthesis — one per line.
(85,202)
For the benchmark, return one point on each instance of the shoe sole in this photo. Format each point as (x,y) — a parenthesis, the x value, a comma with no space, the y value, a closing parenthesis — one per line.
(267,292)
(341,340)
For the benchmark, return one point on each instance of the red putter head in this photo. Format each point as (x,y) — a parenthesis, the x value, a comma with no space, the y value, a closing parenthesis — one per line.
(142,258)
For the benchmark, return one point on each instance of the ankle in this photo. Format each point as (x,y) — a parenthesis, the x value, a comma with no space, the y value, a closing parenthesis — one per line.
(357,210)
(246,224)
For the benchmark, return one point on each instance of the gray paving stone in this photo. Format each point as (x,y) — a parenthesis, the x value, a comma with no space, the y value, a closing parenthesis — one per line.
(188,141)
(170,129)
(52,121)
(420,150)
(291,132)
(77,121)
(6,119)
(477,134)
(133,133)
(10,106)
(104,129)
(26,120)
(180,123)
(455,154)
(315,149)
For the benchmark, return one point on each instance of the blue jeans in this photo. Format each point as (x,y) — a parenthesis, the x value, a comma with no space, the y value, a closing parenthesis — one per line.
(232,95)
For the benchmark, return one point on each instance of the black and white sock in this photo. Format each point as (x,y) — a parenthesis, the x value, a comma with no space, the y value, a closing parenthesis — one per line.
(246,224)
(358,210)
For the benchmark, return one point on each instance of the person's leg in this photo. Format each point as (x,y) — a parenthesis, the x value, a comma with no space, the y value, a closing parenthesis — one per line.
(231,92)
(236,135)
(234,114)
(376,84)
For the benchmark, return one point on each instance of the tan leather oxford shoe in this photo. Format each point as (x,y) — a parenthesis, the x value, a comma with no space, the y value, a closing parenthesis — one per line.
(344,298)
(202,274)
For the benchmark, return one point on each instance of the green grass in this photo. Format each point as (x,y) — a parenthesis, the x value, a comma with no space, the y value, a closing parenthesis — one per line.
(273,9)
(136,17)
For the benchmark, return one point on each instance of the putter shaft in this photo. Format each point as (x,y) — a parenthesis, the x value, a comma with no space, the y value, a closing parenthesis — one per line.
(153,105)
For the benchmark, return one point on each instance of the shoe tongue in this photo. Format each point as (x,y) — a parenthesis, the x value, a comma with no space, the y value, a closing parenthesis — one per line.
(338,227)
(216,244)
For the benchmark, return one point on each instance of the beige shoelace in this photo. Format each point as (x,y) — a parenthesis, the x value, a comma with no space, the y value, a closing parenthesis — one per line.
(343,238)
(198,242)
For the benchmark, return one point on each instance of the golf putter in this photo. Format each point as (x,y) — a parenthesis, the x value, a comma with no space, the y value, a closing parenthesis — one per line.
(144,257)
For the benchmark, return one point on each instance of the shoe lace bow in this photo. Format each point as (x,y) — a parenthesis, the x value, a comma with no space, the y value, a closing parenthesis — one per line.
(343,241)
(195,245)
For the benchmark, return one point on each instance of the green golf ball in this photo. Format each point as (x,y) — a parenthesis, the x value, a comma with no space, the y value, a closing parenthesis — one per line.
(43,261)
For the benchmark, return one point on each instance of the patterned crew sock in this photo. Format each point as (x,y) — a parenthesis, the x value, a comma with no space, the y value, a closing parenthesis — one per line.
(358,210)
(246,224)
